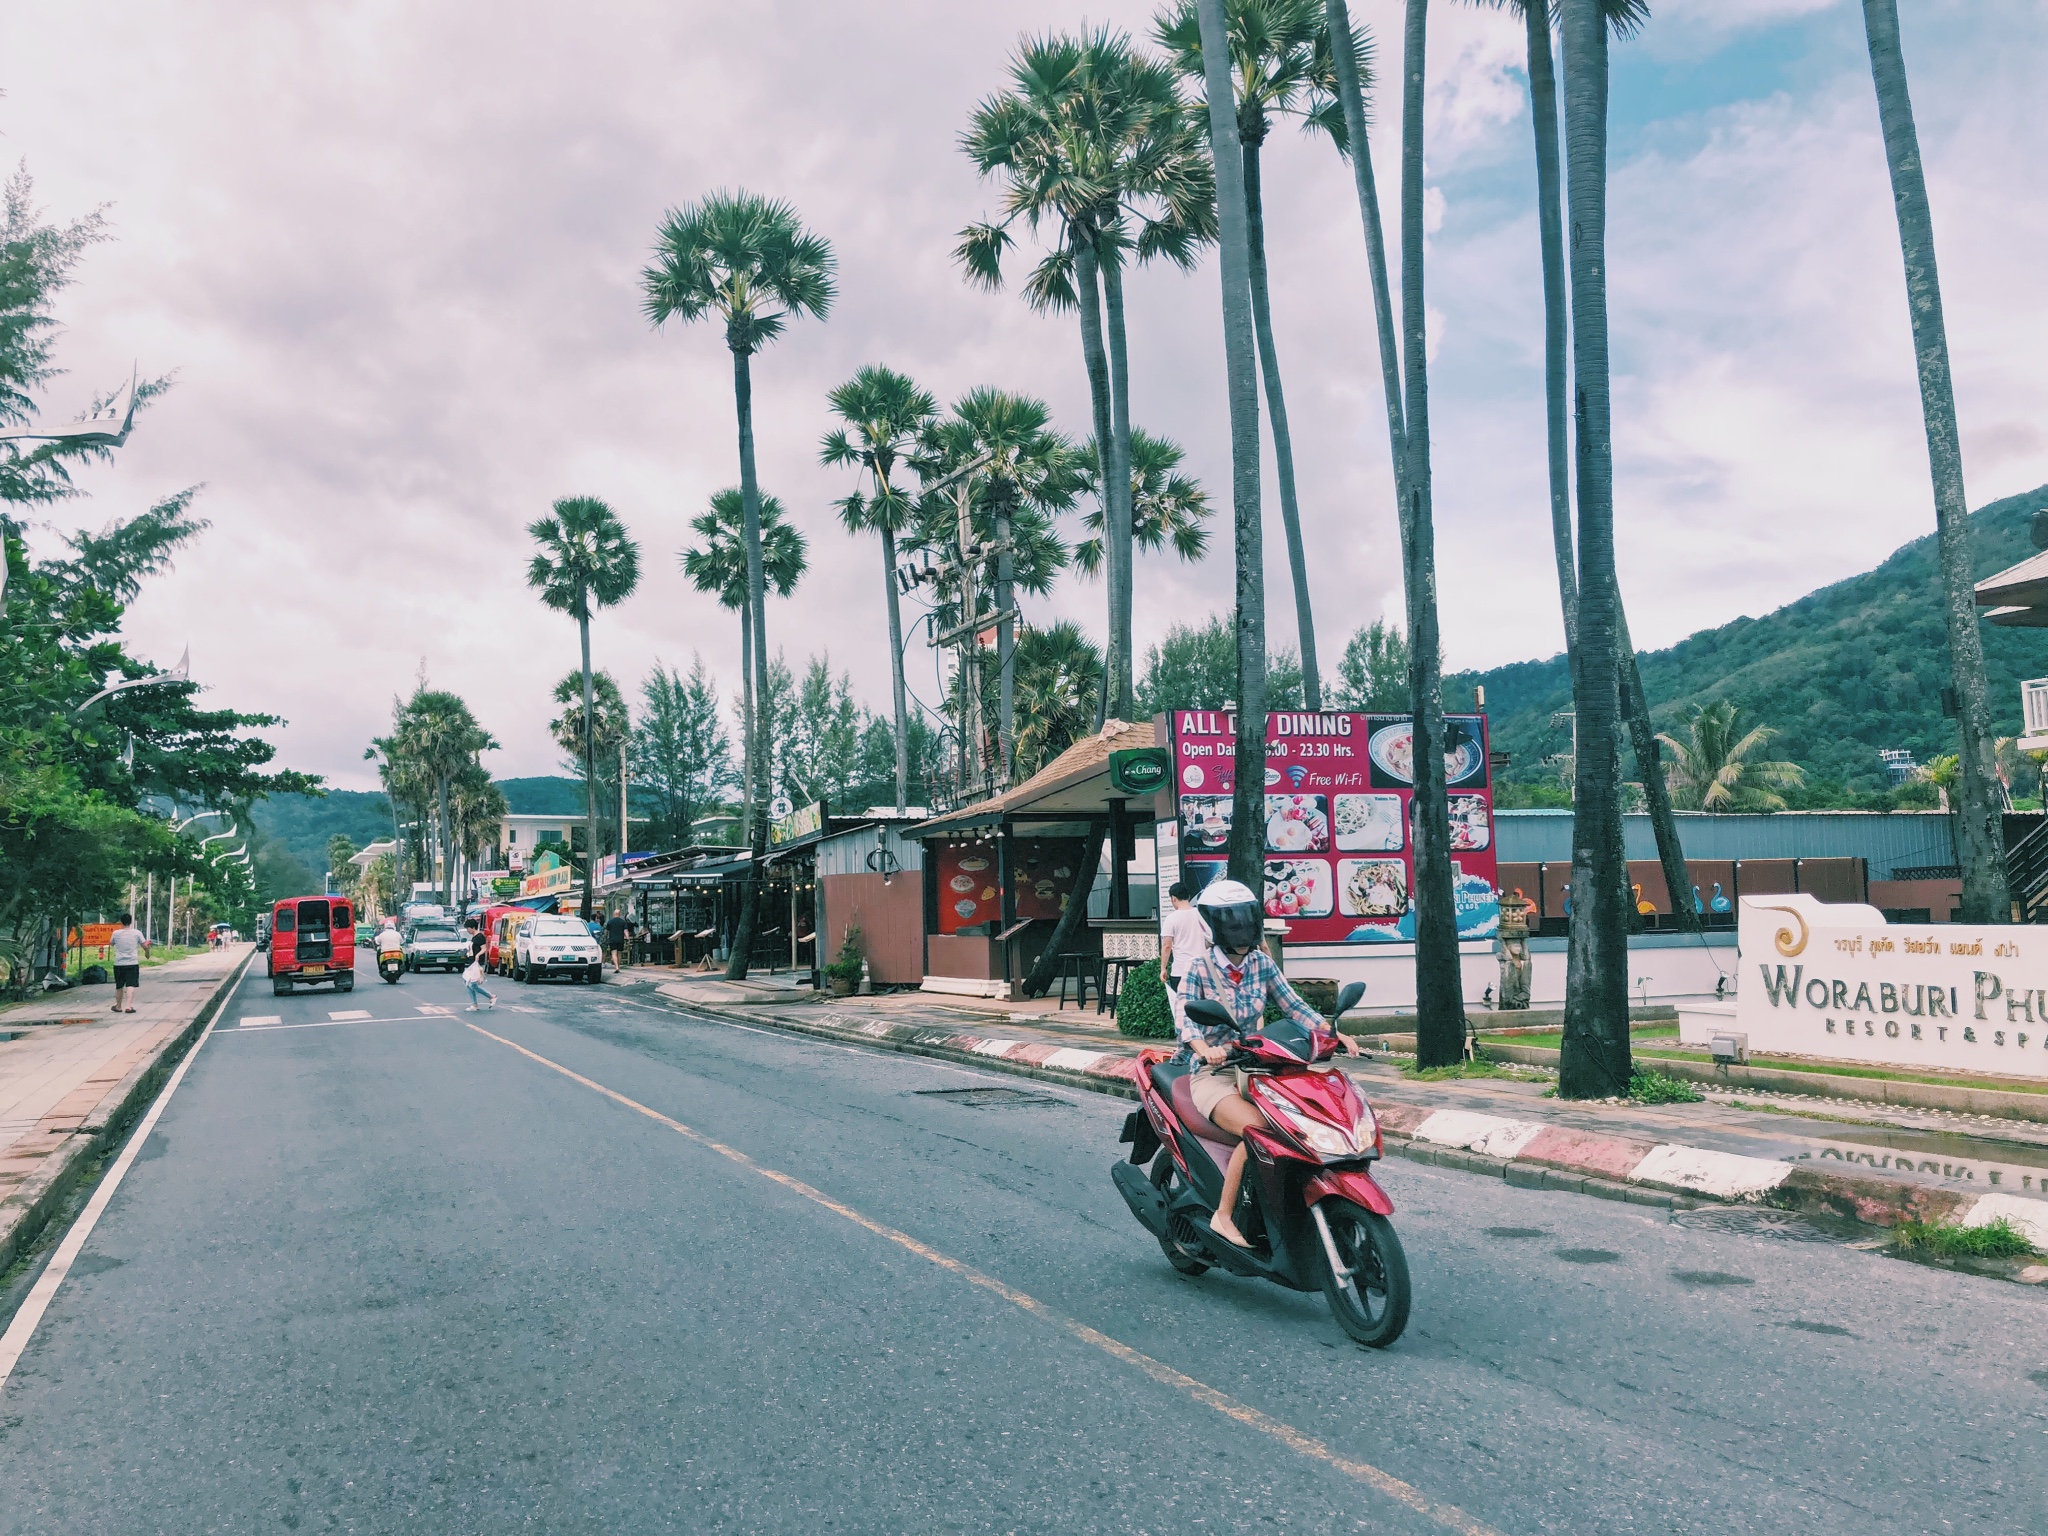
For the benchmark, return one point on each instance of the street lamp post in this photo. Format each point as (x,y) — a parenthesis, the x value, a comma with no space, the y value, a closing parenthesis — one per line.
(171,910)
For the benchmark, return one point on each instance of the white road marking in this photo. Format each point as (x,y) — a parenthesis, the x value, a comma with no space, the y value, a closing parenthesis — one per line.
(260,1018)
(1073,1060)
(264,1029)
(352,1013)
(429,1009)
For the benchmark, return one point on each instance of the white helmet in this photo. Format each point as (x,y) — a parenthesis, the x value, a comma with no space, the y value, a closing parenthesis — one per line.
(1235,916)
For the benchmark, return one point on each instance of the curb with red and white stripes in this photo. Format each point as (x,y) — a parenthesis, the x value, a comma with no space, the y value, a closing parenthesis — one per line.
(1557,1156)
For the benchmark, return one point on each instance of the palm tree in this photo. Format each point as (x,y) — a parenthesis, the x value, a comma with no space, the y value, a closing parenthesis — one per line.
(884,414)
(1440,1004)
(607,727)
(750,262)
(721,567)
(1166,505)
(1092,139)
(1624,19)
(586,561)
(1980,846)
(1281,64)
(435,739)
(1028,474)
(1594,1061)
(1713,770)
(1059,675)
(1248,820)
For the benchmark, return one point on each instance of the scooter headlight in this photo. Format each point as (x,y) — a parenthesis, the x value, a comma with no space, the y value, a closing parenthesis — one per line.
(1324,1140)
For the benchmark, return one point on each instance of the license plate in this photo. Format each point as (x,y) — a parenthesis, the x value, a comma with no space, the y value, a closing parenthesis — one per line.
(313,970)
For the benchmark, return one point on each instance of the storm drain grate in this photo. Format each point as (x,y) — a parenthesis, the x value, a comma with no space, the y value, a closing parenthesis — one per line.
(1762,1221)
(990,1098)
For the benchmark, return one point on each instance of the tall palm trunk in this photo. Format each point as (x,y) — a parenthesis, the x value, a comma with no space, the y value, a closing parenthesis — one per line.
(1117,690)
(1980,847)
(1595,1057)
(747,796)
(1276,408)
(750,503)
(896,685)
(1635,702)
(447,842)
(1248,805)
(1439,976)
(1351,98)
(589,760)
(1088,296)
(1006,646)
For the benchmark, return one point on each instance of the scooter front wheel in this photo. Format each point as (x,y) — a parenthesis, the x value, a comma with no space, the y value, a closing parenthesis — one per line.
(1181,1247)
(1371,1301)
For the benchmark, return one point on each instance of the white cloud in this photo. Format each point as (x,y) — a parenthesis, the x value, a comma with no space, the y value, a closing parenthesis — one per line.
(393,253)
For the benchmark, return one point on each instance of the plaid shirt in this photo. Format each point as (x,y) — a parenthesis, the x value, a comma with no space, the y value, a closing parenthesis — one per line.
(1243,998)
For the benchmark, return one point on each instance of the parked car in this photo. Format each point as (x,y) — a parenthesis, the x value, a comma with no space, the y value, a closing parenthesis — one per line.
(435,946)
(312,940)
(549,946)
(499,940)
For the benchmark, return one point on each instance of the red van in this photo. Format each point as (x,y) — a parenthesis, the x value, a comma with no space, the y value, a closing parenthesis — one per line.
(312,939)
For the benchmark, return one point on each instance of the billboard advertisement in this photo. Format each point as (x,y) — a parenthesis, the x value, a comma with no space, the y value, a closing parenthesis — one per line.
(1340,820)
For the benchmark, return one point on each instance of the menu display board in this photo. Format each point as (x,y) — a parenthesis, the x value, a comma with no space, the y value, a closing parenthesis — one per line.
(1042,869)
(1340,820)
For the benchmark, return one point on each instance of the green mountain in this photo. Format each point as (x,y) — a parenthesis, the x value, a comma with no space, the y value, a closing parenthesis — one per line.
(1841,673)
(292,832)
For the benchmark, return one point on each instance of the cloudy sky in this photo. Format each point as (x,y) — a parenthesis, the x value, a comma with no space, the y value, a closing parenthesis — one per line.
(391,252)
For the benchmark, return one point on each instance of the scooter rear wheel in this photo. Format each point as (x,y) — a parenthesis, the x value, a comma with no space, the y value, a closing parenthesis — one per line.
(1182,1249)
(1373,1305)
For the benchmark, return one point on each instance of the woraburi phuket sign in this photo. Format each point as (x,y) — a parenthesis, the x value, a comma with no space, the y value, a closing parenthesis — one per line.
(1838,981)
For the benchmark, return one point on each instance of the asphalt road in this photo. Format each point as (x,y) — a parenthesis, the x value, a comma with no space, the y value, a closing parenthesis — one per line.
(394,1274)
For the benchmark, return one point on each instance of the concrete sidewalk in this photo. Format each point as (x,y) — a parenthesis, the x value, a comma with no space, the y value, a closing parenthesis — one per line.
(75,1074)
(1877,1165)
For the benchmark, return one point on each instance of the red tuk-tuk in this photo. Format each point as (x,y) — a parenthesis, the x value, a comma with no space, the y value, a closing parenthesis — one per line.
(493,960)
(312,939)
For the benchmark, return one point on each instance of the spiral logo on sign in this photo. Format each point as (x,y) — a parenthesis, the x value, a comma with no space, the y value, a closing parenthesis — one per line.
(1789,943)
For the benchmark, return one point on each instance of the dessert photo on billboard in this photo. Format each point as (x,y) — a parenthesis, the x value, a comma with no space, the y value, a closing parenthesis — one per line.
(1297,888)
(1368,823)
(1297,824)
(1471,828)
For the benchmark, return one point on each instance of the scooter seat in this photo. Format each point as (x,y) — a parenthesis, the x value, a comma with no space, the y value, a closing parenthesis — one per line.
(1182,1094)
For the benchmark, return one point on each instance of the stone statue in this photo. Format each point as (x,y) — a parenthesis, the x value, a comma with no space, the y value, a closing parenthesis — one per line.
(1515,913)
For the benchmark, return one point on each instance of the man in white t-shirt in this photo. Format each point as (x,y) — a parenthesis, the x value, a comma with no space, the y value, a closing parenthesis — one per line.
(1183,939)
(129,947)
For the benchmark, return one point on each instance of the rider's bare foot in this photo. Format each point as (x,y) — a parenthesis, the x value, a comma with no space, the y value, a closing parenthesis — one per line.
(1226,1229)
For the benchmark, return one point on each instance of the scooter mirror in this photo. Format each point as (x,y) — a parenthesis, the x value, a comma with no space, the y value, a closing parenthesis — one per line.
(1210,1015)
(1348,998)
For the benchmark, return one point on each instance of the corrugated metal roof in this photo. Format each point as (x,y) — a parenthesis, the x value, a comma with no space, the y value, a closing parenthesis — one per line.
(1888,839)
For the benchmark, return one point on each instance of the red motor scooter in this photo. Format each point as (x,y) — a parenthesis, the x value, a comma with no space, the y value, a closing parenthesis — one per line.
(1314,1216)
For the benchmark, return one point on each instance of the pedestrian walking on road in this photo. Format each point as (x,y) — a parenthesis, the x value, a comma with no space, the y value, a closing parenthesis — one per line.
(1183,939)
(129,945)
(473,978)
(615,936)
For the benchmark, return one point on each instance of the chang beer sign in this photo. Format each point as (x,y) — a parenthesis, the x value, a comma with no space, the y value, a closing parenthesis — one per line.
(1839,982)
(1140,771)
(804,821)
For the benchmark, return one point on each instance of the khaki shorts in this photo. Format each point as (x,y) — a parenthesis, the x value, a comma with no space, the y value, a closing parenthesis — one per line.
(1210,1086)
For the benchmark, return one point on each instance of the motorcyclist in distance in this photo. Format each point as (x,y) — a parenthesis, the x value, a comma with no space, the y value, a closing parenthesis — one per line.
(1237,973)
(389,940)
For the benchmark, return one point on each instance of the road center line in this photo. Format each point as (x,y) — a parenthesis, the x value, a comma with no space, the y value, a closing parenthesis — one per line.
(1449,1516)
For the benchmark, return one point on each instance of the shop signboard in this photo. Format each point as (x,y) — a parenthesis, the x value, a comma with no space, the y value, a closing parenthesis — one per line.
(1140,770)
(550,877)
(801,822)
(1042,876)
(1835,980)
(1340,821)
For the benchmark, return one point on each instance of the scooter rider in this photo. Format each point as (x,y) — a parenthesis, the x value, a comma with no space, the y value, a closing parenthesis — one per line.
(1238,974)
(389,940)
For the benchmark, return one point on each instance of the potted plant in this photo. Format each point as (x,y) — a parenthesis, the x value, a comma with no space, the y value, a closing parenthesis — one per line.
(843,974)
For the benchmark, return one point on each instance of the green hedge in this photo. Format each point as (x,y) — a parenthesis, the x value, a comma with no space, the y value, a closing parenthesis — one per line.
(1142,1011)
